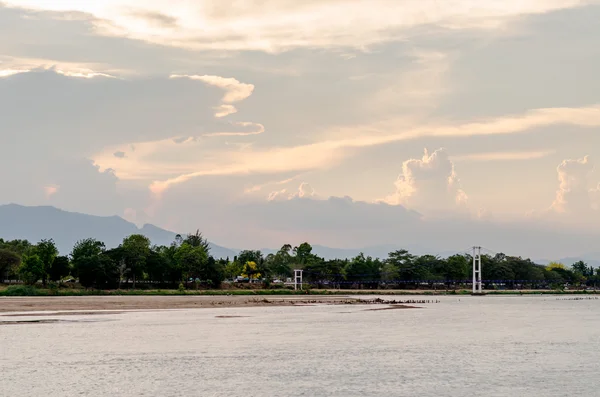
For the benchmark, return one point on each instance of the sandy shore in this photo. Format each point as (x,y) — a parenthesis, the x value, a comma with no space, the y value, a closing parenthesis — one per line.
(83,303)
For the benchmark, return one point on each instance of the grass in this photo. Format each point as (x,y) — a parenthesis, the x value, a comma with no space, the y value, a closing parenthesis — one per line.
(26,290)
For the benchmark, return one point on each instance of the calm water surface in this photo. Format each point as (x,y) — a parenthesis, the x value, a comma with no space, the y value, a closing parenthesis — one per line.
(467,346)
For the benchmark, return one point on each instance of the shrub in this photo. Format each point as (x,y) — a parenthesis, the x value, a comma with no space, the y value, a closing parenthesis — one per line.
(21,290)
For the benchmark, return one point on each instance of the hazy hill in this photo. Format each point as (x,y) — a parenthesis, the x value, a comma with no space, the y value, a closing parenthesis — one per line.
(36,223)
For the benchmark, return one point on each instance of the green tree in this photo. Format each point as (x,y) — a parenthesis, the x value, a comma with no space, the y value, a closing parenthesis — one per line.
(364,270)
(554,279)
(214,272)
(319,271)
(46,250)
(249,256)
(197,240)
(157,266)
(98,271)
(32,269)
(389,273)
(84,260)
(280,263)
(233,269)
(60,268)
(405,264)
(454,268)
(136,249)
(9,263)
(192,260)
(303,254)
(426,268)
(20,247)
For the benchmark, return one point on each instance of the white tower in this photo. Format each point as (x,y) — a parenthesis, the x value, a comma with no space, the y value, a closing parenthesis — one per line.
(477,284)
(297,278)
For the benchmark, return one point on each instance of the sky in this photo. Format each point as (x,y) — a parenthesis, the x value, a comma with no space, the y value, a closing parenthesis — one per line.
(345,123)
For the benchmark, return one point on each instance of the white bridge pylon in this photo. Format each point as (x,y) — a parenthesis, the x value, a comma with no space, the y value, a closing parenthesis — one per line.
(477,284)
(297,279)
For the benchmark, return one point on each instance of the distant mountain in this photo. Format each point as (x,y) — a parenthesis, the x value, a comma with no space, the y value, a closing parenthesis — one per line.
(36,223)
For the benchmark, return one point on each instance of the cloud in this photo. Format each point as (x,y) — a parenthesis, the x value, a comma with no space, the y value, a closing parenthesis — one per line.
(83,74)
(304,191)
(504,156)
(156,19)
(256,129)
(259,187)
(284,24)
(574,196)
(429,184)
(119,154)
(51,190)
(326,153)
(225,110)
(12,72)
(234,91)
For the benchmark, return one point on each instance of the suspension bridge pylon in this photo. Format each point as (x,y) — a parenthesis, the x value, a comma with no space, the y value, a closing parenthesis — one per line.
(477,283)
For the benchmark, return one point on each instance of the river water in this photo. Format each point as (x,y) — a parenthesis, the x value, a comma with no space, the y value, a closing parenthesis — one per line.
(462,346)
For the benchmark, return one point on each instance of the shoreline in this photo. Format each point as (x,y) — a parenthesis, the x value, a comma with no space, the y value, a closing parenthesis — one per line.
(27,291)
(101,304)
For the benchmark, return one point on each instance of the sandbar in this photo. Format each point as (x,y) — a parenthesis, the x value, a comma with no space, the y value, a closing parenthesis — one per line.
(144,302)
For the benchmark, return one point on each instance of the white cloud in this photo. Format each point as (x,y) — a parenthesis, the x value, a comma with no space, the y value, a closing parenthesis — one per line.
(12,65)
(277,25)
(304,191)
(278,195)
(235,91)
(225,110)
(429,184)
(255,129)
(325,153)
(574,196)
(12,72)
(85,74)
(504,156)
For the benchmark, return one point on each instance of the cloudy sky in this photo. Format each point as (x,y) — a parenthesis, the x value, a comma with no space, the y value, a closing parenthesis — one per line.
(342,122)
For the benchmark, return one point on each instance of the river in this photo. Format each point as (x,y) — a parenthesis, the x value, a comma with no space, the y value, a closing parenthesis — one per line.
(462,346)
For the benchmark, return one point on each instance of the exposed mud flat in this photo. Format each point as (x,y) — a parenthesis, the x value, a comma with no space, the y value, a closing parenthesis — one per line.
(393,307)
(111,304)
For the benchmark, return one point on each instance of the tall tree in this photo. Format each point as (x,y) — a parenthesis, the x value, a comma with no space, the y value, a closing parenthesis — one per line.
(191,260)
(363,269)
(280,263)
(303,254)
(60,268)
(9,263)
(86,262)
(32,269)
(454,268)
(46,250)
(136,249)
(197,240)
(404,262)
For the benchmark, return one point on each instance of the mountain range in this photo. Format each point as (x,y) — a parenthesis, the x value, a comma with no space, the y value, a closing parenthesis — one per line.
(40,222)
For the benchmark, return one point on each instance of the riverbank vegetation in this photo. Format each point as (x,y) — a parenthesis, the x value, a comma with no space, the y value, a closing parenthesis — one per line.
(186,266)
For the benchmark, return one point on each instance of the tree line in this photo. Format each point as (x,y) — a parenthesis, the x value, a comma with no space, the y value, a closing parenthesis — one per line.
(187,261)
